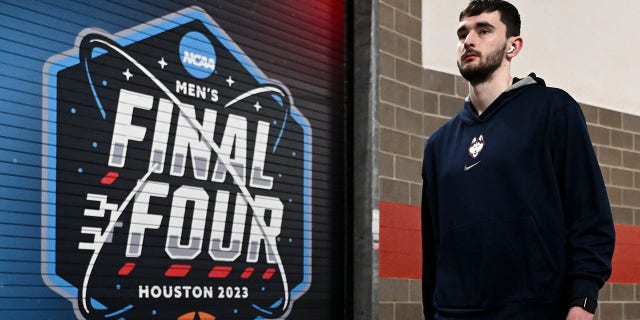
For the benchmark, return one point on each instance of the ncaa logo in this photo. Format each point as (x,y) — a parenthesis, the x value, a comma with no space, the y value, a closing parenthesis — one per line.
(177,177)
(198,55)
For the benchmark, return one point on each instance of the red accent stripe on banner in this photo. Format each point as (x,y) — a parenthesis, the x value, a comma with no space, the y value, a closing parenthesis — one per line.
(109,178)
(268,273)
(401,246)
(247,273)
(220,272)
(178,271)
(126,269)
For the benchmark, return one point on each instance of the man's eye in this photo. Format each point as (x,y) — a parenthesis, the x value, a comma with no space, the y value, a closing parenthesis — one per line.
(485,31)
(461,36)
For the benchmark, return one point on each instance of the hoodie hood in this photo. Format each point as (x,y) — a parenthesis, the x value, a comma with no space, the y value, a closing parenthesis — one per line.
(470,116)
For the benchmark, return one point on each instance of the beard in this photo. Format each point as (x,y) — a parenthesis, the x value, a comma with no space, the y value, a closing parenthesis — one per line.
(483,71)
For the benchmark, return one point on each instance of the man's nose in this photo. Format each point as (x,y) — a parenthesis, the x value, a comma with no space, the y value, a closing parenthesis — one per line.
(470,40)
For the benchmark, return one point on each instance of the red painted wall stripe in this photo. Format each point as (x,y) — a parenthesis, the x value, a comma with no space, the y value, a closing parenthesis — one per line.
(626,257)
(401,247)
(400,241)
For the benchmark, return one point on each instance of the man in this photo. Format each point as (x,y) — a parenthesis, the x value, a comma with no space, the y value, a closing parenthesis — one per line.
(516,219)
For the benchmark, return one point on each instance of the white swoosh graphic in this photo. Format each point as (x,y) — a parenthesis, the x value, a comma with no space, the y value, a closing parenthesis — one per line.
(467,168)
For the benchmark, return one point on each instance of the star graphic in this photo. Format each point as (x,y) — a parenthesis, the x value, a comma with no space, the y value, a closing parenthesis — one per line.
(257,106)
(230,81)
(162,63)
(127,74)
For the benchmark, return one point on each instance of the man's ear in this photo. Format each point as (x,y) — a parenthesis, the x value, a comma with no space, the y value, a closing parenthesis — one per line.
(515,44)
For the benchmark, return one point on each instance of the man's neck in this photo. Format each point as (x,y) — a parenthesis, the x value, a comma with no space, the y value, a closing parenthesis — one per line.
(483,94)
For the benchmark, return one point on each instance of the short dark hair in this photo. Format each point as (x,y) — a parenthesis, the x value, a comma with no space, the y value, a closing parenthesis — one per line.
(508,13)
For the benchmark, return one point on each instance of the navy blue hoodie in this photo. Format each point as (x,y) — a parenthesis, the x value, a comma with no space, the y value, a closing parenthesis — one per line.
(515,216)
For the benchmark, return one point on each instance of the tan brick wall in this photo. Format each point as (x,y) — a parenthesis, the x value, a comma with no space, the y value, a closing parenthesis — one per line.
(616,139)
(414,102)
(403,103)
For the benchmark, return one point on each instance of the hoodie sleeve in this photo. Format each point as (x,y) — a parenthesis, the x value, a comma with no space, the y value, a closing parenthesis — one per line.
(587,213)
(429,206)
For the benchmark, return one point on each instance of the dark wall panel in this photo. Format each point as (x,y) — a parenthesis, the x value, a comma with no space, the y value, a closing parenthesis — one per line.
(172,160)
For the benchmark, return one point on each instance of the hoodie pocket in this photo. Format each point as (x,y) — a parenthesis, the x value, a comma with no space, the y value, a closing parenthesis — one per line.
(493,262)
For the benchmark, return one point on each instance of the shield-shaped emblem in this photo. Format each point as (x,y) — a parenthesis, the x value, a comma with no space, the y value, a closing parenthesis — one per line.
(177,177)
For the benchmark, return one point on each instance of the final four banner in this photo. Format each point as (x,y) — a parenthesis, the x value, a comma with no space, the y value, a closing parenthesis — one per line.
(177,177)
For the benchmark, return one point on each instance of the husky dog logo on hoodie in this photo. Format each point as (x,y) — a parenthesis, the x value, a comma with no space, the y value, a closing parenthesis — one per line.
(476,146)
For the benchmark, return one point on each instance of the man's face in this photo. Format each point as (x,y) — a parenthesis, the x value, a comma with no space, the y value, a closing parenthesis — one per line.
(481,46)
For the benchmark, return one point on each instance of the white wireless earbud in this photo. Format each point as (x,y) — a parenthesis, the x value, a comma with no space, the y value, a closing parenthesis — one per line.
(511,49)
